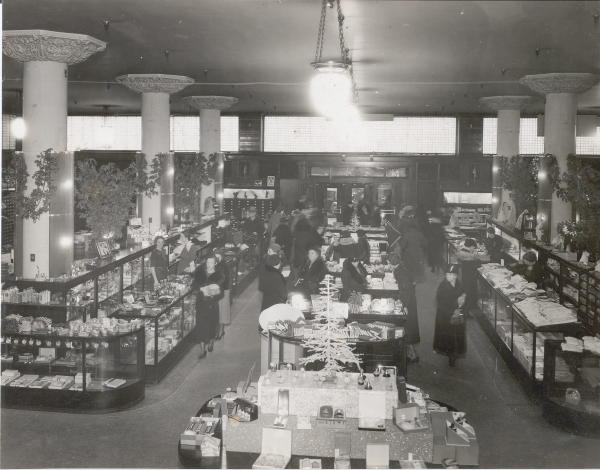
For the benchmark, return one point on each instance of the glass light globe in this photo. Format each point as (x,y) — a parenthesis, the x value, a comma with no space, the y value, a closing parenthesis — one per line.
(330,89)
(18,128)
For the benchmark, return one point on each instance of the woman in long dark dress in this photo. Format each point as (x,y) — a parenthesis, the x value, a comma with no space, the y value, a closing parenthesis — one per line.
(353,278)
(450,330)
(408,297)
(159,262)
(207,306)
(271,283)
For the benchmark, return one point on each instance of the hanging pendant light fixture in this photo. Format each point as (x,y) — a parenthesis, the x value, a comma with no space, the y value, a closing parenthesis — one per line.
(332,88)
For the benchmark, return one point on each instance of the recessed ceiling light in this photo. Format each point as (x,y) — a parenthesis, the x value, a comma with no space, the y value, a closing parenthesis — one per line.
(376,92)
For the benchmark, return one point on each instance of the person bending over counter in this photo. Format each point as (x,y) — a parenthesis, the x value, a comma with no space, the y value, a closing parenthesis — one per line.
(353,278)
(531,269)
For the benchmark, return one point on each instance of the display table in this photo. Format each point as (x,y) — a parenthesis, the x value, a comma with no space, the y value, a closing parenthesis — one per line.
(279,349)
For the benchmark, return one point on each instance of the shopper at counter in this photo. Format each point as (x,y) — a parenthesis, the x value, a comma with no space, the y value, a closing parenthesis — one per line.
(187,255)
(348,247)
(363,247)
(353,278)
(468,258)
(450,330)
(305,236)
(493,243)
(347,213)
(159,261)
(312,272)
(207,302)
(412,246)
(271,283)
(408,297)
(333,250)
(364,213)
(531,269)
(283,237)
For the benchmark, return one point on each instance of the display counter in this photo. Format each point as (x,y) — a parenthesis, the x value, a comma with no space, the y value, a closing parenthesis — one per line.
(518,319)
(572,385)
(366,436)
(96,365)
(170,324)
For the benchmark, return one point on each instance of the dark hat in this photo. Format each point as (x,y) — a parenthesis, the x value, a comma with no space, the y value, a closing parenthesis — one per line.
(452,268)
(491,230)
(273,260)
(530,256)
(275,247)
(470,242)
(345,234)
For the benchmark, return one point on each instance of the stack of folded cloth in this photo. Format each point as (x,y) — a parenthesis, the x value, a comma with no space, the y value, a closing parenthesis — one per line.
(592,344)
(572,345)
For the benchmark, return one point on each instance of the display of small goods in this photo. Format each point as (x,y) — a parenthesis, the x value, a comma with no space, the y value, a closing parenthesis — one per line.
(13,378)
(512,285)
(364,303)
(375,331)
(200,432)
(541,312)
(589,301)
(93,327)
(27,296)
(387,283)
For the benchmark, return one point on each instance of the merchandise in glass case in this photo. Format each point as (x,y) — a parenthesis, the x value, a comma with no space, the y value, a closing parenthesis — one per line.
(93,364)
(572,384)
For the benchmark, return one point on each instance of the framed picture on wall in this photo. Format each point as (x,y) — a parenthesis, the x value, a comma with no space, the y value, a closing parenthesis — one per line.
(270,181)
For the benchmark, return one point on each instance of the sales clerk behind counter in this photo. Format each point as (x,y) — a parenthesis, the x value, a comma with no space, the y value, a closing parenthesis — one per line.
(531,269)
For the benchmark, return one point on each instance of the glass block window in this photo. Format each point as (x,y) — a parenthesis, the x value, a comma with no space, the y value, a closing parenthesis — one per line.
(104,133)
(529,142)
(8,140)
(427,135)
(185,133)
(230,134)
(588,145)
(490,136)
(125,133)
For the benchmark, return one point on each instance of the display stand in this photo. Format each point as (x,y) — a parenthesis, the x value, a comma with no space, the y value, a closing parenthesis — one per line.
(91,360)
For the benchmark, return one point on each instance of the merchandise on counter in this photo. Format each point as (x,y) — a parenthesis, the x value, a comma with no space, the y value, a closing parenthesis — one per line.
(310,463)
(8,375)
(508,283)
(591,344)
(543,313)
(24,381)
(114,383)
(61,382)
(572,345)
(276,450)
(26,296)
(378,456)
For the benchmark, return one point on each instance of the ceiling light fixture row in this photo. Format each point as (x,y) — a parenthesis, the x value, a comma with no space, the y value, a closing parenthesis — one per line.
(332,88)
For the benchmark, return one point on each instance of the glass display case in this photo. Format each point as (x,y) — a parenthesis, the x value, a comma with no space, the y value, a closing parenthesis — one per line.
(100,283)
(589,301)
(47,369)
(572,388)
(519,340)
(169,326)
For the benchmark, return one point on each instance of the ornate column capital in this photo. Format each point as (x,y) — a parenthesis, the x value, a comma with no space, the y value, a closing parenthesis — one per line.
(498,103)
(210,102)
(546,83)
(37,44)
(155,82)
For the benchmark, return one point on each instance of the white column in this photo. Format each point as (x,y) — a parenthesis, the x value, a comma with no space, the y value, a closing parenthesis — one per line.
(155,89)
(508,129)
(45,248)
(560,115)
(210,108)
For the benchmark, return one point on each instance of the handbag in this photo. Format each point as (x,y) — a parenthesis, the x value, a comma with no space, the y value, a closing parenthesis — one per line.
(457,318)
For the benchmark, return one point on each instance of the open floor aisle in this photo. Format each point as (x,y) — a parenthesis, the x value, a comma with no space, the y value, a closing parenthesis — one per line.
(510,426)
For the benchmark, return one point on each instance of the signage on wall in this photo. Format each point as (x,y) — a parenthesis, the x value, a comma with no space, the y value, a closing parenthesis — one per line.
(270,181)
(258,183)
(361,171)
(245,193)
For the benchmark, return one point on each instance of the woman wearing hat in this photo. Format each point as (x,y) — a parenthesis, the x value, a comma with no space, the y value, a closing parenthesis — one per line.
(530,269)
(272,283)
(449,337)
(348,247)
(313,271)
(363,247)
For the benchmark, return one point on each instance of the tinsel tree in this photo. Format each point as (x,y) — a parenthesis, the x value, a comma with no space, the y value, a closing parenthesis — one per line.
(327,343)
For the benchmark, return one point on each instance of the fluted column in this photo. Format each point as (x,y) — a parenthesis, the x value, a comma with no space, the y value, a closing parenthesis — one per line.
(508,129)
(156,113)
(45,248)
(560,116)
(210,108)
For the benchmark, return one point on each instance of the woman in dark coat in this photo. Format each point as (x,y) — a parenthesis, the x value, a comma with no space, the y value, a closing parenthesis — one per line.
(364,249)
(272,283)
(283,237)
(353,279)
(207,307)
(305,236)
(408,297)
(313,271)
(450,332)
(412,246)
(225,302)
(159,262)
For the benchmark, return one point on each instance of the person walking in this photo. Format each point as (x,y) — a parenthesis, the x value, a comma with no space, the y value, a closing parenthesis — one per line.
(225,301)
(271,283)
(412,246)
(206,285)
(449,336)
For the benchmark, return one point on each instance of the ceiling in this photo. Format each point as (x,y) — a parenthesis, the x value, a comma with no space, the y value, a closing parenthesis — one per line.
(433,57)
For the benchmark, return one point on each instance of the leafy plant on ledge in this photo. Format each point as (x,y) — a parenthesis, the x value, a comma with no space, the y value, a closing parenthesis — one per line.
(520,177)
(105,196)
(32,204)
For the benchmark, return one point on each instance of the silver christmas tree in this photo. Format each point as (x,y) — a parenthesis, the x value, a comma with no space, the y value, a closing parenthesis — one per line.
(327,342)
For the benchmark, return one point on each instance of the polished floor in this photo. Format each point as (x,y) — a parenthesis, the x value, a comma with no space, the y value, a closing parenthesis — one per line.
(511,430)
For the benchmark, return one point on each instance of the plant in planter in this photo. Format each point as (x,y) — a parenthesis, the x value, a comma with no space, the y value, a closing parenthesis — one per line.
(580,185)
(105,196)
(520,177)
(32,204)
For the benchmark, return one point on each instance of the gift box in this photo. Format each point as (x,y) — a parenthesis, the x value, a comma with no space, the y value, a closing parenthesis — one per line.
(276,449)
(453,441)
(378,456)
(409,419)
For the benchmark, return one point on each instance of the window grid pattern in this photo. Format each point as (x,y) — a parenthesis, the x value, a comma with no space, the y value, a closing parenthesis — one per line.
(530,143)
(125,133)
(427,135)
(8,140)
